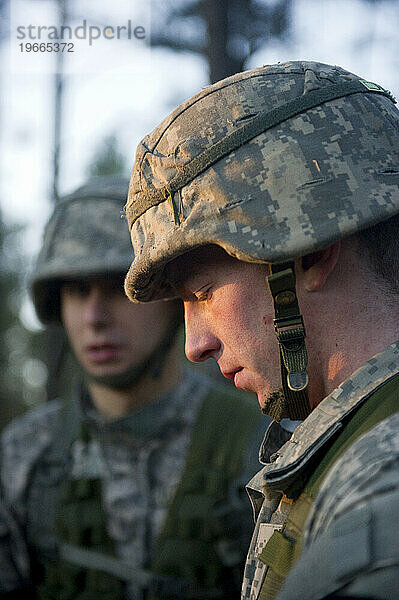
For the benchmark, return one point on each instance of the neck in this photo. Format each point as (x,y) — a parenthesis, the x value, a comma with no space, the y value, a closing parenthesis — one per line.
(113,403)
(352,319)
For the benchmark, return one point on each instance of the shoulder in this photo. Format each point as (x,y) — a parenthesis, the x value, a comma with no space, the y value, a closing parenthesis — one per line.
(232,416)
(23,441)
(233,427)
(218,398)
(367,470)
(350,544)
(31,425)
(228,400)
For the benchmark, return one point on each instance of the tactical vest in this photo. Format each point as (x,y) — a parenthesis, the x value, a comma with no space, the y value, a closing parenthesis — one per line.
(284,547)
(195,555)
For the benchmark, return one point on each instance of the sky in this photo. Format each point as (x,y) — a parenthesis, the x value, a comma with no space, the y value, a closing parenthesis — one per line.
(123,87)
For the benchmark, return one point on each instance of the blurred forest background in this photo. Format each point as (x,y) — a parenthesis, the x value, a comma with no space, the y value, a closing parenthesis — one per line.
(192,43)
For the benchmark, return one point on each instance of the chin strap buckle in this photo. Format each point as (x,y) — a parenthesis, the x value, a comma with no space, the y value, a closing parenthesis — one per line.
(289,328)
(290,333)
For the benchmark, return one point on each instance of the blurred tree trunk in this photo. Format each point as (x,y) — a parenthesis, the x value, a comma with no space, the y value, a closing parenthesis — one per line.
(58,98)
(54,338)
(221,62)
(224,32)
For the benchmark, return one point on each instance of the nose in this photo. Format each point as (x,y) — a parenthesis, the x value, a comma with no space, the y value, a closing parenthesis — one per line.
(96,313)
(201,343)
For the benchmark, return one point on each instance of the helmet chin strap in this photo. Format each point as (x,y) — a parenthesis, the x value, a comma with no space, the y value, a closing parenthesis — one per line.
(291,400)
(153,365)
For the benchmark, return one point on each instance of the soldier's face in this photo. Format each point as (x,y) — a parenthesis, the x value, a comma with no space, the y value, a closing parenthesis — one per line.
(108,333)
(229,317)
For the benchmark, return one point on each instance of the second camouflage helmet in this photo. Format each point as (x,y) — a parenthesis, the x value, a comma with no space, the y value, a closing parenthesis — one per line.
(85,236)
(270,164)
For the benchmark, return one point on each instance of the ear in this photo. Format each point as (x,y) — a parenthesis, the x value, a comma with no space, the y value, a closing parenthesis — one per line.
(318,266)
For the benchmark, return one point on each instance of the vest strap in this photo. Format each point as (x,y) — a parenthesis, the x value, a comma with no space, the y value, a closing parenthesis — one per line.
(98,561)
(199,538)
(278,553)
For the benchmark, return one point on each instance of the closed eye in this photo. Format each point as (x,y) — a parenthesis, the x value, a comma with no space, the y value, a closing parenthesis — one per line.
(203,293)
(203,296)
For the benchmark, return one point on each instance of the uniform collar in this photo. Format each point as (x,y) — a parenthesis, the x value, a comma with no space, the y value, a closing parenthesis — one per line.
(324,421)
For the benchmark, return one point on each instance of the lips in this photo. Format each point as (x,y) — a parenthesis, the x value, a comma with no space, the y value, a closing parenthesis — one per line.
(102,353)
(231,374)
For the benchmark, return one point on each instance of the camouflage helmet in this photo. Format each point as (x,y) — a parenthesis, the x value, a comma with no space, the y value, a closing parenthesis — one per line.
(269,164)
(85,236)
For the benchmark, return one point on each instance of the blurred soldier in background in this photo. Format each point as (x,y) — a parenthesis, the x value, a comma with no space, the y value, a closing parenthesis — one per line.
(271,195)
(134,487)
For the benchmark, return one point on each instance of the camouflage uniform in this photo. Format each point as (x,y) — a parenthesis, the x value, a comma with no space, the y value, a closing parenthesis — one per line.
(272,164)
(363,481)
(139,458)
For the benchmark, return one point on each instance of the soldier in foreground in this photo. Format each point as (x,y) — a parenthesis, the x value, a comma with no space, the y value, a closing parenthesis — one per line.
(267,202)
(133,488)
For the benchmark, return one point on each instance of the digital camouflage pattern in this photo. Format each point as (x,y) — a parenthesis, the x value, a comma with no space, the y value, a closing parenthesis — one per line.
(295,188)
(360,491)
(86,235)
(356,517)
(139,459)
